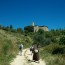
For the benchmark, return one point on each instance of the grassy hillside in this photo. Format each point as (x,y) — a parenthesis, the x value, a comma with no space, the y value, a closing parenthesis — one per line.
(9,45)
(51,43)
(52,46)
(56,58)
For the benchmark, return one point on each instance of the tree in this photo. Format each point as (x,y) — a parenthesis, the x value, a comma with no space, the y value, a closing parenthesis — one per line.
(29,28)
(40,31)
(19,30)
(39,39)
(11,27)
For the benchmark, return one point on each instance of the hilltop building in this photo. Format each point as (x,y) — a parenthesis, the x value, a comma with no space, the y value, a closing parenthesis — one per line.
(35,28)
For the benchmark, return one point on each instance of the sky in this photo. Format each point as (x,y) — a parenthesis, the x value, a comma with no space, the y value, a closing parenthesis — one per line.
(21,13)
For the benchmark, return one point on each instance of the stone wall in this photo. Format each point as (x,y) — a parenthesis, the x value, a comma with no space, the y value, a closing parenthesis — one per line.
(36,28)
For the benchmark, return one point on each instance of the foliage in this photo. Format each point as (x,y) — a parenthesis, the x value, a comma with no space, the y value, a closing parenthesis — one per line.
(6,28)
(62,40)
(19,30)
(8,49)
(40,31)
(29,28)
(58,51)
(53,54)
(51,50)
(39,39)
(14,30)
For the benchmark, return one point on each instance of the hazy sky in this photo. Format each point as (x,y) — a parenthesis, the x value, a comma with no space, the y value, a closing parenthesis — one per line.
(21,13)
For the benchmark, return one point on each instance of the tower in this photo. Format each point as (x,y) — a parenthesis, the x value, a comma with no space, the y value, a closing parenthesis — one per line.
(32,24)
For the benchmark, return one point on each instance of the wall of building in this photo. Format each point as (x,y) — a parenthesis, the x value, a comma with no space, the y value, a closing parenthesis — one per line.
(36,28)
(44,28)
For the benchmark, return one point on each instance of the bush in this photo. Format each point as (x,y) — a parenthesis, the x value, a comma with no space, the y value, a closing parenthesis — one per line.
(62,40)
(54,49)
(7,46)
(39,39)
(58,51)
(55,58)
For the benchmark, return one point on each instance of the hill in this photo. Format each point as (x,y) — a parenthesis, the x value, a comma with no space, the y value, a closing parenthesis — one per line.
(51,45)
(9,45)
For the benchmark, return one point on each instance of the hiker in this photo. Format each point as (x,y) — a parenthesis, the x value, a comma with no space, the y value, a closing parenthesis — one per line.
(31,49)
(20,48)
(36,54)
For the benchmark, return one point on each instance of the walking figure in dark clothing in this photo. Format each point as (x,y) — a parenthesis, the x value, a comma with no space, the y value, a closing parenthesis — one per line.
(36,54)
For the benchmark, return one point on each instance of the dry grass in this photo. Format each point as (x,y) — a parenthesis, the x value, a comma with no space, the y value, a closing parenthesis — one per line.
(9,46)
(52,59)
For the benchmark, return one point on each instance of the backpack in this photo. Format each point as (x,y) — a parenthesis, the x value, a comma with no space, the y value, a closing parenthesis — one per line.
(20,47)
(31,48)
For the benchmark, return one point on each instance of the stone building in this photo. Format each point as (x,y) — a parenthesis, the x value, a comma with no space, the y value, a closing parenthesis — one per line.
(36,28)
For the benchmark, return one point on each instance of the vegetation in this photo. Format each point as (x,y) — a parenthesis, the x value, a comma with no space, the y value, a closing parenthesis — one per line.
(54,52)
(62,40)
(7,49)
(51,44)
(29,28)
(9,42)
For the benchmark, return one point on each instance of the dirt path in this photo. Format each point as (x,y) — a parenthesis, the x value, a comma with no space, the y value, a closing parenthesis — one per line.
(23,60)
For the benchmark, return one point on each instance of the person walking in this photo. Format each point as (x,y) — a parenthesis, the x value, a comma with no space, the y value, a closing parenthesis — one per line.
(36,54)
(31,49)
(20,49)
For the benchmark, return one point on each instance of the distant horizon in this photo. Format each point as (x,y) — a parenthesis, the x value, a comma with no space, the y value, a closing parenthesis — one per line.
(20,13)
(30,25)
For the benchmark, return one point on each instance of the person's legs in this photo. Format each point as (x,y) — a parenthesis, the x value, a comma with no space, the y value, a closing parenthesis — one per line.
(20,52)
(36,58)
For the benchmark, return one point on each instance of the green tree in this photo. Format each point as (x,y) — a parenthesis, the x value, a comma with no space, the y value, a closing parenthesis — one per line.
(40,31)
(39,39)
(29,28)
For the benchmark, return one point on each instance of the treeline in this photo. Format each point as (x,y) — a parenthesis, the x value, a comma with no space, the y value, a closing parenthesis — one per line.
(55,39)
(47,37)
(11,29)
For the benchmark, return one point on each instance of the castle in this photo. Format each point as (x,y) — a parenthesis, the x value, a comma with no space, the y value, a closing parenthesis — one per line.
(36,28)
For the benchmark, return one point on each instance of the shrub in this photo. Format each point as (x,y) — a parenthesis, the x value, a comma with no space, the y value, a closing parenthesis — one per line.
(39,39)
(53,59)
(7,46)
(62,40)
(58,51)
